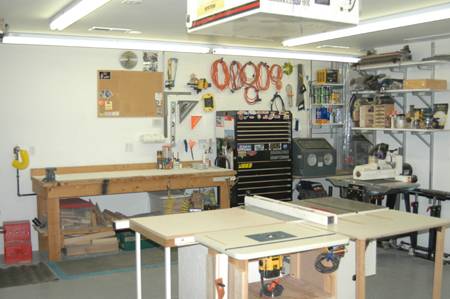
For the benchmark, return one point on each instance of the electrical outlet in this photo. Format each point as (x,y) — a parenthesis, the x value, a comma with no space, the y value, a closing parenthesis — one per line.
(128,147)
(32,150)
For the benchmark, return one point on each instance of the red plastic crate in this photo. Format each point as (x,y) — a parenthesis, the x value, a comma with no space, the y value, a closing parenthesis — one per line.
(16,231)
(18,252)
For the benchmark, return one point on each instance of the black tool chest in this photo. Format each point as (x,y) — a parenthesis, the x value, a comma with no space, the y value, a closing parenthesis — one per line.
(257,144)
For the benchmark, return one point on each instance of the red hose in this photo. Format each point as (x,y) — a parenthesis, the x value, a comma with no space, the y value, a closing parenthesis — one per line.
(276,76)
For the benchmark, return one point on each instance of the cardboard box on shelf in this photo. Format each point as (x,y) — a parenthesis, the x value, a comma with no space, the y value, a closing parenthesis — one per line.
(381,115)
(425,84)
(366,116)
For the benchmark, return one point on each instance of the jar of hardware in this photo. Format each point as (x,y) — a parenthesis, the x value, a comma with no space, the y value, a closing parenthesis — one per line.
(400,121)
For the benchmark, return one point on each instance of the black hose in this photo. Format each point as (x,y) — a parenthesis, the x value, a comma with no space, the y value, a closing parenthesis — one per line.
(329,257)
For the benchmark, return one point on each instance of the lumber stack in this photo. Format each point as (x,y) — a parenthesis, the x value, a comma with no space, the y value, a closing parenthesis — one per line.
(87,229)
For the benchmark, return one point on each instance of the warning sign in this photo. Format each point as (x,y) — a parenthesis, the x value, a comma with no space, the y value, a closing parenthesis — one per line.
(207,7)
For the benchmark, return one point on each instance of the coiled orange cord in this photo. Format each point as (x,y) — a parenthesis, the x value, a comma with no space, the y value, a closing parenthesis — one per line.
(259,85)
(235,79)
(251,100)
(215,74)
(243,74)
(276,76)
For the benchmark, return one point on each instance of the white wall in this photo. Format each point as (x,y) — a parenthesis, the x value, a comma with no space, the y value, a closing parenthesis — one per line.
(48,105)
(417,152)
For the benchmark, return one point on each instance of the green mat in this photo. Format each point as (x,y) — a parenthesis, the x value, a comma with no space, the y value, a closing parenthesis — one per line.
(25,274)
(123,261)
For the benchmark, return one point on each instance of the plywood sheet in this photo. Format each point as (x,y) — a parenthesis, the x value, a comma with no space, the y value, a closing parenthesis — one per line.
(380,224)
(237,244)
(169,227)
(338,206)
(129,94)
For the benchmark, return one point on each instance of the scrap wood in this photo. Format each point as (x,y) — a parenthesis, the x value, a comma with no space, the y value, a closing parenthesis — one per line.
(88,237)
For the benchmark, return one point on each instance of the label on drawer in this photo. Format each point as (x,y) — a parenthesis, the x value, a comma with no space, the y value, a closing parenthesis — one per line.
(181,241)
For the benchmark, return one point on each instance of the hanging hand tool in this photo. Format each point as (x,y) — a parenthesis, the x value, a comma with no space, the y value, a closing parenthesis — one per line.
(191,147)
(186,147)
(172,64)
(198,84)
(290,94)
(301,88)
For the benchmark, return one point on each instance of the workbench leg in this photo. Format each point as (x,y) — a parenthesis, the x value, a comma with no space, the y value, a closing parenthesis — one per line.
(54,229)
(360,269)
(438,263)
(167,272)
(224,194)
(138,266)
(41,215)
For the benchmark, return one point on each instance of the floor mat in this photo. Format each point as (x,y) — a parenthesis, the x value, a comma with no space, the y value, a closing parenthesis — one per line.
(123,261)
(25,274)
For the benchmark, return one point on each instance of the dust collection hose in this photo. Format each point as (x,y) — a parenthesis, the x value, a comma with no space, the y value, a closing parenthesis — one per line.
(21,162)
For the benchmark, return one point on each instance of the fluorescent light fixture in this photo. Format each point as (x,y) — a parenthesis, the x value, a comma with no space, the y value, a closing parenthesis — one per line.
(332,47)
(108,43)
(75,11)
(419,16)
(255,52)
(427,37)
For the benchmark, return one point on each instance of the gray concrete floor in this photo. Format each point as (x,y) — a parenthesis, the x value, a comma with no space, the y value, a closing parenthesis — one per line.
(399,276)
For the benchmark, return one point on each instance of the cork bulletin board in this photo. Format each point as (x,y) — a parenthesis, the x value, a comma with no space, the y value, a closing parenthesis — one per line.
(129,94)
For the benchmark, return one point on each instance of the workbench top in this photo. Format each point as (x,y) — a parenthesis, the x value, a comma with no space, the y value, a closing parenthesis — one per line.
(137,174)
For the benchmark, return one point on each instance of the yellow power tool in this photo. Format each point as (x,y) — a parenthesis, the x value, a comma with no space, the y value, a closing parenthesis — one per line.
(270,269)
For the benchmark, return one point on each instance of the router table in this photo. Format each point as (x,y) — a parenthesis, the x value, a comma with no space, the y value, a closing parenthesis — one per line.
(311,225)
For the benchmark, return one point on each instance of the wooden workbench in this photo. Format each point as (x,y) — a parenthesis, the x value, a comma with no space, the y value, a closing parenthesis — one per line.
(114,179)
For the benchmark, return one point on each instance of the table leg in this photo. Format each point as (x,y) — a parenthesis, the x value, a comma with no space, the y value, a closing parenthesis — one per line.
(360,269)
(224,194)
(438,263)
(167,272)
(138,266)
(54,229)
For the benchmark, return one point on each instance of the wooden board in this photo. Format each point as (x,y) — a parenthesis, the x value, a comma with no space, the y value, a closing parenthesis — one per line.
(385,223)
(236,243)
(170,229)
(129,94)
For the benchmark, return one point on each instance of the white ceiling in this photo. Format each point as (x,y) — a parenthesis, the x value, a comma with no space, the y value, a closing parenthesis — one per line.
(165,20)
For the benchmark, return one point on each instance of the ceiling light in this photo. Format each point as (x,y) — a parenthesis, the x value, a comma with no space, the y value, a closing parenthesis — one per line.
(112,29)
(420,16)
(284,54)
(75,11)
(108,43)
(332,47)
(427,37)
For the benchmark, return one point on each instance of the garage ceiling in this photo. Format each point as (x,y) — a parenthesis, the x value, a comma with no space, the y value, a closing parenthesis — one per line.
(165,20)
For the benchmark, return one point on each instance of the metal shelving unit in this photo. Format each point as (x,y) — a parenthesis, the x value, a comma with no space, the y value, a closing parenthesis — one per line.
(426,96)
(336,127)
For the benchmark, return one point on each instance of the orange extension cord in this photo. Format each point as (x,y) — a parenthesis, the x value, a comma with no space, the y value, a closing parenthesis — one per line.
(276,76)
(235,78)
(243,74)
(263,68)
(215,74)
